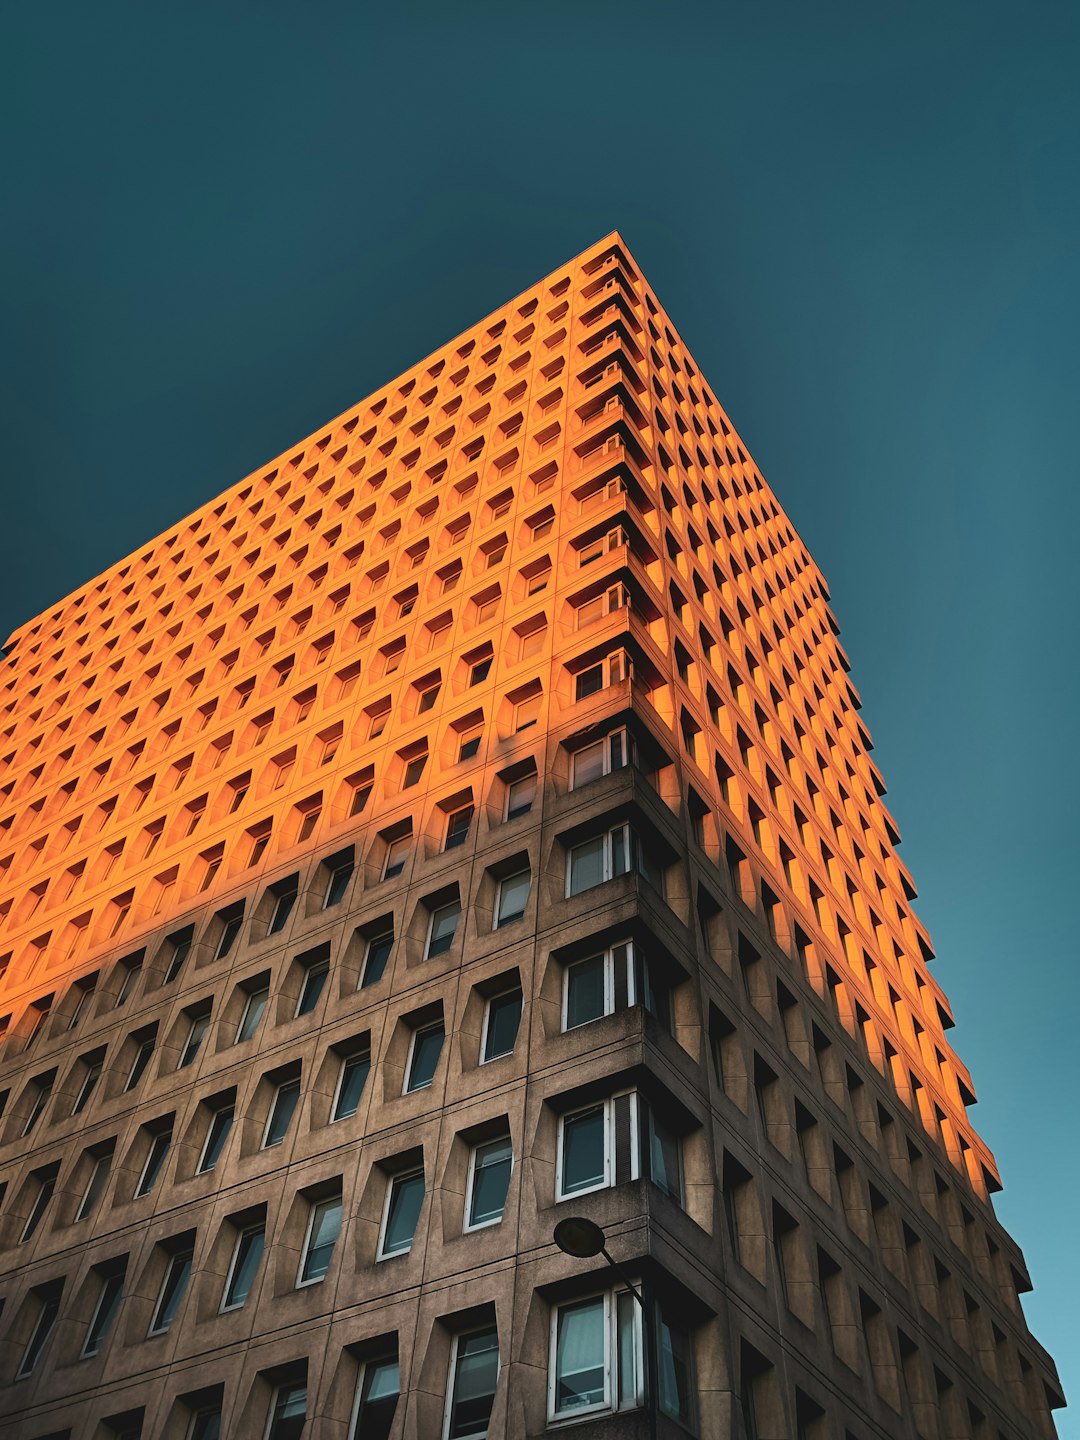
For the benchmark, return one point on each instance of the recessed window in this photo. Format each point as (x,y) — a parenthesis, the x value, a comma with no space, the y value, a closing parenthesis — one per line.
(428,695)
(397,852)
(376,1400)
(244,1266)
(404,1200)
(612,670)
(91,1075)
(217,1133)
(376,954)
(177,1274)
(527,712)
(143,1054)
(502,1016)
(282,1107)
(316,974)
(340,868)
(95,1185)
(179,949)
(200,1024)
(285,893)
(130,979)
(597,1356)
(444,923)
(414,768)
(479,670)
(288,1412)
(600,758)
(520,795)
(355,1068)
(424,1052)
(254,1009)
(490,1166)
(612,980)
(324,1227)
(46,1186)
(206,1423)
(512,897)
(108,1303)
(160,1145)
(614,1141)
(615,852)
(49,1308)
(458,823)
(474,1374)
(470,744)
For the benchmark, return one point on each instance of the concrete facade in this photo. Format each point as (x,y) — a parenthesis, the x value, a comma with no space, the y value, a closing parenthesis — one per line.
(514,680)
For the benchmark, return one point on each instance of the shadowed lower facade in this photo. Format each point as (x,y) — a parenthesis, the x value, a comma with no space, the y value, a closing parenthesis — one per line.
(463,823)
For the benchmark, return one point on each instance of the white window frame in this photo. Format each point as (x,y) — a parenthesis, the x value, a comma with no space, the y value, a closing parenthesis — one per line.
(350,866)
(470,810)
(196,1021)
(314,968)
(451,1381)
(485,1058)
(224,1308)
(607,765)
(354,1414)
(499,921)
(615,597)
(99,1161)
(281,1085)
(609,959)
(614,669)
(403,840)
(607,1105)
(286,1385)
(345,1061)
(34,1219)
(421,1030)
(510,785)
(86,1089)
(219,1110)
(84,1353)
(370,941)
(468,1227)
(203,1413)
(609,872)
(610,1404)
(133,1079)
(280,898)
(263,990)
(381,1253)
(314,1206)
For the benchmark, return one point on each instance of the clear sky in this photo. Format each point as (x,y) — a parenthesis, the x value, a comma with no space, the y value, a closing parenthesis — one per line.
(227,222)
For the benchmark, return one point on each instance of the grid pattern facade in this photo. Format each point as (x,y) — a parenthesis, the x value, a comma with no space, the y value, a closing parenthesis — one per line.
(474,796)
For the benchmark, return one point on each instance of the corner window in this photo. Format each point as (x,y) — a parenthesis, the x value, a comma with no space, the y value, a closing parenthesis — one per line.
(502,1017)
(490,1166)
(612,670)
(601,757)
(596,1356)
(474,1374)
(614,1141)
(404,1200)
(512,898)
(612,853)
(424,1052)
(614,979)
(324,1227)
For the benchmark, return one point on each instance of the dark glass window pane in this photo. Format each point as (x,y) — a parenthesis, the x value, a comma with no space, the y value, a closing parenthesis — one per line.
(159,1150)
(579,1356)
(585,991)
(492,1166)
(378,952)
(220,1125)
(249,1253)
(503,1019)
(325,1229)
(172,1292)
(339,883)
(427,1047)
(403,1212)
(583,1151)
(282,910)
(354,1073)
(50,1308)
(254,1008)
(378,1400)
(104,1314)
(282,1112)
(314,984)
(476,1373)
(673,1366)
(289,1413)
(206,1425)
(444,923)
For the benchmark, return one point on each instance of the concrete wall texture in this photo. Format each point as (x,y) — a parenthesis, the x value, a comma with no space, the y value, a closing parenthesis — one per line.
(462,823)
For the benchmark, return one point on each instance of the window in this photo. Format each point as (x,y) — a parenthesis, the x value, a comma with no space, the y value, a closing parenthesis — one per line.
(614,1141)
(350,1086)
(340,868)
(93,1067)
(444,922)
(376,954)
(195,1037)
(611,670)
(427,697)
(614,598)
(397,852)
(601,758)
(474,1373)
(46,1185)
(596,1356)
(479,670)
(254,1009)
(232,921)
(288,1412)
(49,1309)
(404,1199)
(128,983)
(615,852)
(512,898)
(527,712)
(615,979)
(520,795)
(284,892)
(99,1175)
(206,1423)
(470,744)
(221,1120)
(502,1016)
(160,1145)
(177,1274)
(457,827)
(143,1053)
(376,1400)
(316,972)
(108,1303)
(281,1112)
(489,1179)
(324,1227)
(244,1266)
(427,1043)
(414,768)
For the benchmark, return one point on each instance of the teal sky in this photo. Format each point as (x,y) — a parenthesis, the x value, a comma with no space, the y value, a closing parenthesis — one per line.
(227,222)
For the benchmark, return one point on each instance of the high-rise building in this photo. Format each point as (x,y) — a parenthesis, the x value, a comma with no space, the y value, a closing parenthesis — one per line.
(465,823)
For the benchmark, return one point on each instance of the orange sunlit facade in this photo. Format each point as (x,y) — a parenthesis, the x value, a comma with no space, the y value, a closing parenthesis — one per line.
(462,823)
